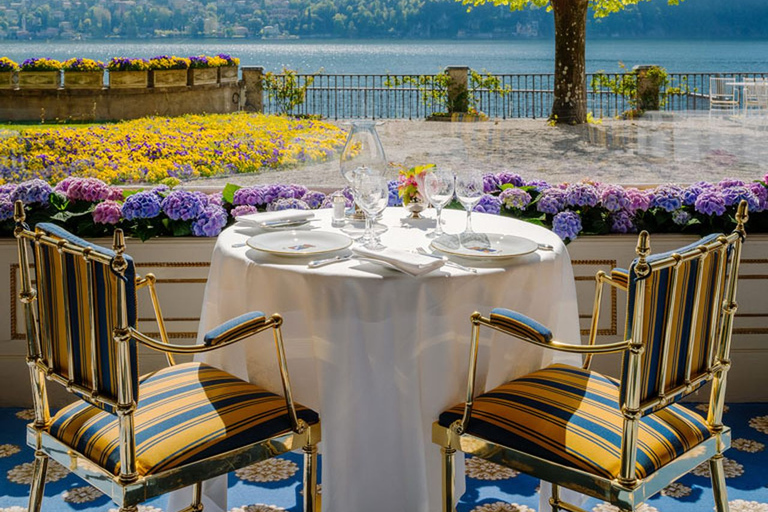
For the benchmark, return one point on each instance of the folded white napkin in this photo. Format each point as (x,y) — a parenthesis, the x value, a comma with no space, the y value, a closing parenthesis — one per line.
(279,216)
(408,262)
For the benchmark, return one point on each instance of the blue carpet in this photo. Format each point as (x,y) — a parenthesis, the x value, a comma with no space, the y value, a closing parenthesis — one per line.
(275,486)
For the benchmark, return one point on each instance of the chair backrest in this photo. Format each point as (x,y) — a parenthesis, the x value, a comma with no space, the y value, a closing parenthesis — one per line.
(677,307)
(719,88)
(76,307)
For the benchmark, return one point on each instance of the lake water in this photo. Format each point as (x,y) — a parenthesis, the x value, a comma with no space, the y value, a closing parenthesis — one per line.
(402,57)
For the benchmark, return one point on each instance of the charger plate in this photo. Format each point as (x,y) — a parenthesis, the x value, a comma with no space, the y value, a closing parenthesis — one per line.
(299,243)
(486,246)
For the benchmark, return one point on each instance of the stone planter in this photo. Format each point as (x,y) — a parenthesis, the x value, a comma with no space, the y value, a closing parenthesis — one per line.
(6,80)
(39,79)
(83,79)
(169,78)
(227,74)
(203,76)
(128,79)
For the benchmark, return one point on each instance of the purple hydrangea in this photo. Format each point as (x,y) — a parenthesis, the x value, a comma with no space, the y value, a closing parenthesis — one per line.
(614,198)
(87,189)
(32,191)
(639,200)
(710,202)
(394,198)
(6,207)
(287,204)
(510,178)
(243,209)
(7,189)
(204,198)
(761,193)
(581,194)
(161,190)
(62,186)
(734,195)
(515,198)
(107,212)
(730,182)
(539,185)
(314,198)
(210,222)
(142,205)
(692,192)
(488,204)
(622,222)
(253,196)
(182,205)
(551,201)
(667,197)
(216,198)
(681,217)
(567,225)
(116,194)
(348,203)
(490,183)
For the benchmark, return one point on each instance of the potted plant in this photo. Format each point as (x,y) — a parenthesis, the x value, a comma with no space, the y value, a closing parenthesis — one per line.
(83,74)
(204,69)
(42,73)
(228,71)
(125,73)
(169,71)
(7,70)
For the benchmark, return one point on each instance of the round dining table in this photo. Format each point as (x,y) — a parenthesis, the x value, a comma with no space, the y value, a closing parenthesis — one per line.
(379,353)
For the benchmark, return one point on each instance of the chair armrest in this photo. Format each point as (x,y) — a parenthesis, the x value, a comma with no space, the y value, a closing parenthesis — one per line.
(235,329)
(619,278)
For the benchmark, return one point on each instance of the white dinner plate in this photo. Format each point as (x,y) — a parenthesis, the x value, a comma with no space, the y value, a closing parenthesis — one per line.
(486,246)
(299,243)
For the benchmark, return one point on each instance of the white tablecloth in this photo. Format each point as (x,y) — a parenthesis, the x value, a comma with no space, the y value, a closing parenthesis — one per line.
(380,354)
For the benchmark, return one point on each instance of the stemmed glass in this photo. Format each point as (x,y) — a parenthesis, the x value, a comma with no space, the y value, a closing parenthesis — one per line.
(371,195)
(439,185)
(469,191)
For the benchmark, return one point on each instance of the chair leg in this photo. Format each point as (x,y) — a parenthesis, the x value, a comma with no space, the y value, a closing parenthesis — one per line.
(197,497)
(311,498)
(554,500)
(719,489)
(449,476)
(38,481)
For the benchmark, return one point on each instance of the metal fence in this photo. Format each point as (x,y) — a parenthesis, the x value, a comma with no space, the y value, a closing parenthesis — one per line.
(348,96)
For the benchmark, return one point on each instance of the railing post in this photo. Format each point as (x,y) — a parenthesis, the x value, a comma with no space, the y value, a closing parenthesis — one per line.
(254,88)
(648,88)
(458,91)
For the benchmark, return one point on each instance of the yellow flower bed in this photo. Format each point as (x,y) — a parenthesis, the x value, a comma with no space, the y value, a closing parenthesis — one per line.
(150,150)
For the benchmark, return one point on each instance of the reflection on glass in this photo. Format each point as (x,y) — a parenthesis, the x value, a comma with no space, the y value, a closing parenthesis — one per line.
(371,195)
(439,185)
(469,191)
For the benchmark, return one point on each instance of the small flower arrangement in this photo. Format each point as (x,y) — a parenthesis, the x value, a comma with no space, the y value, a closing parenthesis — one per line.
(163,62)
(127,64)
(41,64)
(7,64)
(206,61)
(77,64)
(409,181)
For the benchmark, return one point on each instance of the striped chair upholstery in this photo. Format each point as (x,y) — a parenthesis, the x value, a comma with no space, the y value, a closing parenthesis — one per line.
(572,417)
(694,327)
(185,413)
(71,326)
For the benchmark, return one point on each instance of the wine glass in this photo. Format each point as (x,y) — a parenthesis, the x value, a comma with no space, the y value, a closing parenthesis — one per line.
(469,191)
(439,185)
(371,195)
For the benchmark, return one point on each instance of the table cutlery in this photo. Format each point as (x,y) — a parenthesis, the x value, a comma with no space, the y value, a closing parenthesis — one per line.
(328,261)
(448,262)
(546,247)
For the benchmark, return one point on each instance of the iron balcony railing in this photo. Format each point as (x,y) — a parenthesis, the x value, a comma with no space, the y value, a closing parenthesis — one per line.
(349,96)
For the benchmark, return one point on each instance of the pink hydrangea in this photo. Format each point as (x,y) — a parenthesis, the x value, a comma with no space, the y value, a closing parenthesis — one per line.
(107,212)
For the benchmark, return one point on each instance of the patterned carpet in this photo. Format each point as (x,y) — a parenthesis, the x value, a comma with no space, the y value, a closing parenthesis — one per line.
(275,486)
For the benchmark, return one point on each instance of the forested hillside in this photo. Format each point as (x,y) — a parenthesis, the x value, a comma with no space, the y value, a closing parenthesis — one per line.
(443,19)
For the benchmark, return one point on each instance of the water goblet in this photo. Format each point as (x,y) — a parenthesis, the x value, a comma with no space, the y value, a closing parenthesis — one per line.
(371,195)
(469,191)
(439,185)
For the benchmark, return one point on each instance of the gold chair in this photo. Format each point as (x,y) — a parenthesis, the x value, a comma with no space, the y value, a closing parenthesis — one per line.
(134,437)
(623,440)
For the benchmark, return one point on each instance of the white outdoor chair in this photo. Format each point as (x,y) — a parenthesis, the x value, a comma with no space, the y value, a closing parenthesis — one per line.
(723,94)
(756,95)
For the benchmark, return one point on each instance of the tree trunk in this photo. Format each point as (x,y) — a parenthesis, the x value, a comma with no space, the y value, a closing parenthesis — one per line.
(570,101)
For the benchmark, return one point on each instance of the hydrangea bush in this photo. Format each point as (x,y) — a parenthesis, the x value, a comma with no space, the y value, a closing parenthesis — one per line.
(90,207)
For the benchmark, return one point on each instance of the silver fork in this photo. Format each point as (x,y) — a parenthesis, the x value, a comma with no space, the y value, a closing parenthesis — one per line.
(448,262)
